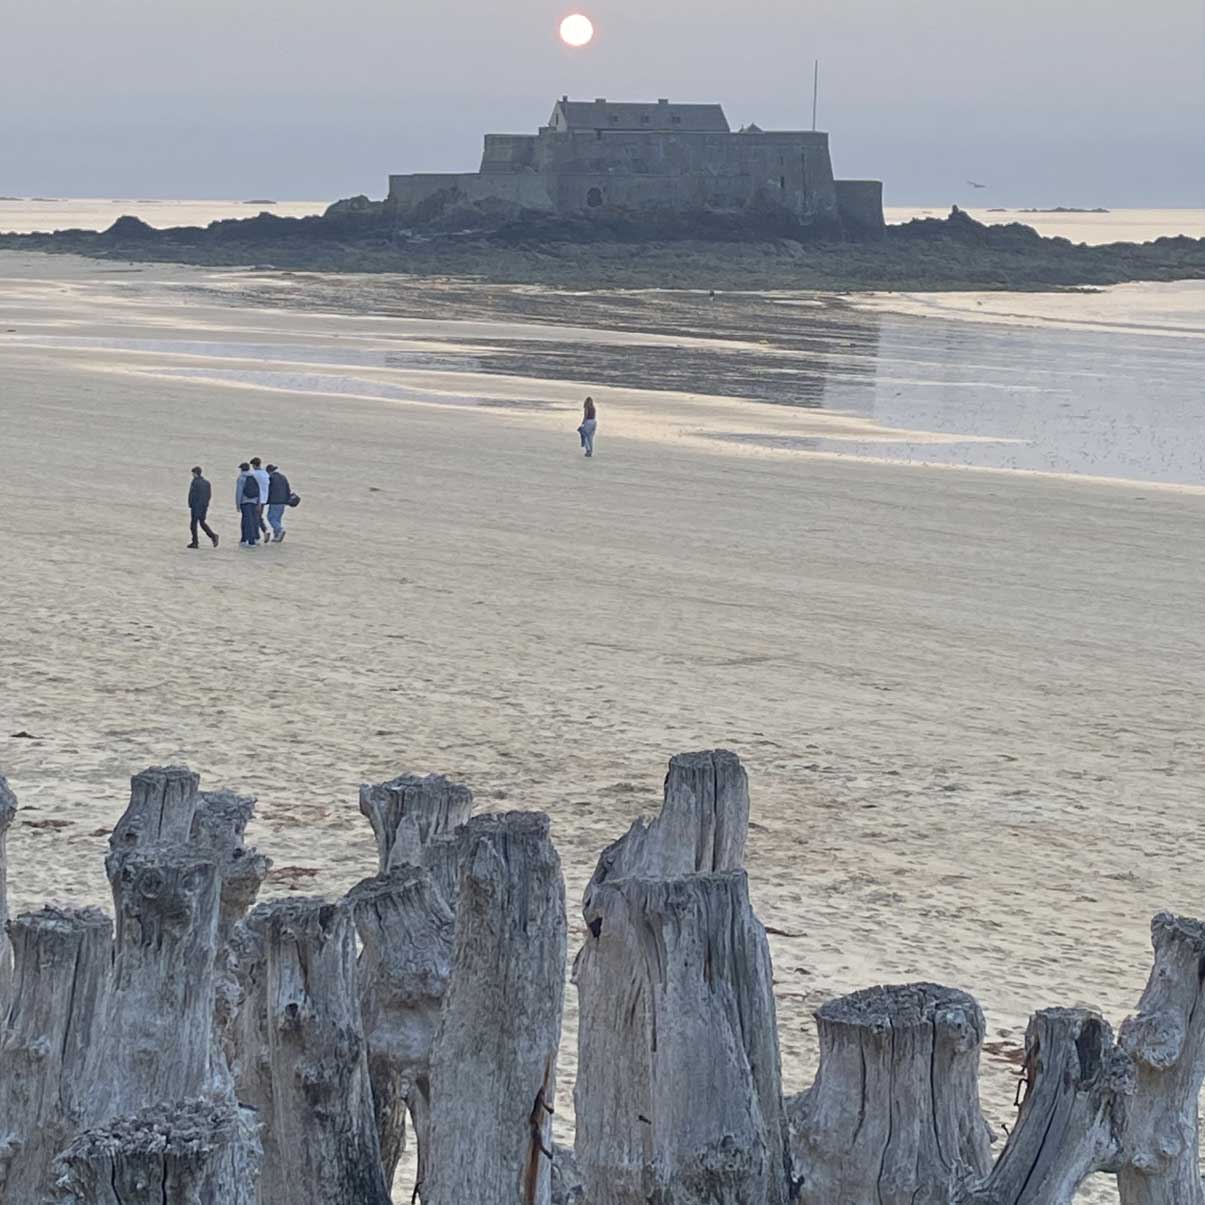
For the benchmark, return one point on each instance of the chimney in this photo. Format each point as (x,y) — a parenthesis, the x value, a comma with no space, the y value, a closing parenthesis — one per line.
(600,100)
(565,99)
(663,101)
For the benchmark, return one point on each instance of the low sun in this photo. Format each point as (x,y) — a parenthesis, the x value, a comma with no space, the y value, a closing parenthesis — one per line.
(577,30)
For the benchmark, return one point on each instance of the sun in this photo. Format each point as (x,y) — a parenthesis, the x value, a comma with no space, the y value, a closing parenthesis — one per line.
(577,30)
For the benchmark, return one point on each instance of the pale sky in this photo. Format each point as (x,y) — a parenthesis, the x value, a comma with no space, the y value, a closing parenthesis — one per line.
(1049,102)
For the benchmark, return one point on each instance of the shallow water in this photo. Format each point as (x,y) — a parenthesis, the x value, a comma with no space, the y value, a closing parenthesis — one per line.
(1102,384)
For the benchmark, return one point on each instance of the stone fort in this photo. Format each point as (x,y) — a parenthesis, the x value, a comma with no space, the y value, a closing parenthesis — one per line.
(598,156)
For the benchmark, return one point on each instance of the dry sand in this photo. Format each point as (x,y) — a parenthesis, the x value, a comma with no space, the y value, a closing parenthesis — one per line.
(970,703)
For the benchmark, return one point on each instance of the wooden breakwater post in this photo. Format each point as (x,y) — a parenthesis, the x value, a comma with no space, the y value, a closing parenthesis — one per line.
(205,1052)
(8,810)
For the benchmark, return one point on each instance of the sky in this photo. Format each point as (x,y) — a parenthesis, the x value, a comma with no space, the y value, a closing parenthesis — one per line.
(1047,102)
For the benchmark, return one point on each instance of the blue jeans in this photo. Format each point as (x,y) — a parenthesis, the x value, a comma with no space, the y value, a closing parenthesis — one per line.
(250,522)
(276,514)
(586,431)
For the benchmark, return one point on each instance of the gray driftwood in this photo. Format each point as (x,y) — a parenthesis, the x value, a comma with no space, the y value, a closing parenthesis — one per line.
(409,811)
(406,933)
(163,801)
(193,1153)
(156,1038)
(1166,1040)
(8,809)
(218,826)
(61,961)
(1072,1116)
(678,1096)
(493,1064)
(319,1137)
(893,1115)
(701,827)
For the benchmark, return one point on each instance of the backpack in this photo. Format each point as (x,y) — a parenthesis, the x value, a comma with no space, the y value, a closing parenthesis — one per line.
(250,488)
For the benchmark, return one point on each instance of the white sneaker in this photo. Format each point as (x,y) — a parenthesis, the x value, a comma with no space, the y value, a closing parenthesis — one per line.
(280,535)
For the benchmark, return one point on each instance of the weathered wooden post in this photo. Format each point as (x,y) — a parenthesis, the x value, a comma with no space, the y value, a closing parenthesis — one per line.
(1166,1040)
(8,809)
(678,1095)
(408,811)
(493,1064)
(156,1038)
(700,829)
(218,825)
(1072,1117)
(61,960)
(405,962)
(893,1115)
(193,1153)
(319,1137)
(163,801)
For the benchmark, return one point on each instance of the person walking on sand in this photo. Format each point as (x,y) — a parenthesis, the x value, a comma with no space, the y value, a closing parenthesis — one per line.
(199,492)
(279,493)
(246,502)
(257,467)
(589,426)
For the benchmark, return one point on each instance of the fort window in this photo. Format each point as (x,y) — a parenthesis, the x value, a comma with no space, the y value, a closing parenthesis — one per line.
(782,183)
(677,120)
(594,198)
(644,119)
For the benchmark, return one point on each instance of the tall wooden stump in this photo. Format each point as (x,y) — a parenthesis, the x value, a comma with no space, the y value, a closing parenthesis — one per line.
(1166,1040)
(893,1116)
(700,829)
(8,809)
(406,933)
(218,826)
(493,1065)
(194,1153)
(1072,1117)
(319,1140)
(156,1039)
(163,801)
(62,958)
(678,1096)
(408,812)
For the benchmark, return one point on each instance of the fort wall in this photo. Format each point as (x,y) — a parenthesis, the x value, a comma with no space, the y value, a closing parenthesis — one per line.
(633,170)
(526,189)
(860,206)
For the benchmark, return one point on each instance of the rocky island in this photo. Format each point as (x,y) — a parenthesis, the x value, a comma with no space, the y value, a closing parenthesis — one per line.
(654,195)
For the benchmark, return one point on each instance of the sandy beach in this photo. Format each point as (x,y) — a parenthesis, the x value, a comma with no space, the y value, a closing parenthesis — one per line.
(970,702)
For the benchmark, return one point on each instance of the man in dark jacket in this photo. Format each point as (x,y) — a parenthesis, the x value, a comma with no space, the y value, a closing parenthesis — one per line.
(198,507)
(278,498)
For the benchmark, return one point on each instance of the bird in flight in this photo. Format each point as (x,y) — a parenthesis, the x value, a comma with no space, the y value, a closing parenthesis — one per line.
(975,184)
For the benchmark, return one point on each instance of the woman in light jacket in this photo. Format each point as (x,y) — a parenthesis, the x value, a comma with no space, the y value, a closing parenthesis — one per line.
(588,427)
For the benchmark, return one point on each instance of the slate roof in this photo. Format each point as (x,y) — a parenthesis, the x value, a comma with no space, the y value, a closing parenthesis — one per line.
(656,115)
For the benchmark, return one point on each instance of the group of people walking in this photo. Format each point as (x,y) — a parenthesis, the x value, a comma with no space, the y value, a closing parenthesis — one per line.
(260,491)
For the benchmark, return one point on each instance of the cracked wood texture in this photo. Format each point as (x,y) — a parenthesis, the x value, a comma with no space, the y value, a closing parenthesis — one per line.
(156,1040)
(163,802)
(893,1115)
(493,1063)
(319,1136)
(8,809)
(409,811)
(406,932)
(218,826)
(1072,1116)
(701,828)
(192,1153)
(678,1097)
(1166,1040)
(61,960)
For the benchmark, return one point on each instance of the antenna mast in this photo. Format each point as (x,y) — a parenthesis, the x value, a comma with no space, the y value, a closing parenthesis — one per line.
(815,92)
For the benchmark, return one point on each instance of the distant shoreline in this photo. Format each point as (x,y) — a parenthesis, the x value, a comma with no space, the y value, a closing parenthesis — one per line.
(701,251)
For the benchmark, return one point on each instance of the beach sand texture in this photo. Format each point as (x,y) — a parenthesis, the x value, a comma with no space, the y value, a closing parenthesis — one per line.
(970,703)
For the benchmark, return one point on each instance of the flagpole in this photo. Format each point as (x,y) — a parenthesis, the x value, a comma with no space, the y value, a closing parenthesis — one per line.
(815,91)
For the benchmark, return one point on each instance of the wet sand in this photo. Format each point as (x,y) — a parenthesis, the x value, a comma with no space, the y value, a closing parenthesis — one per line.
(970,702)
